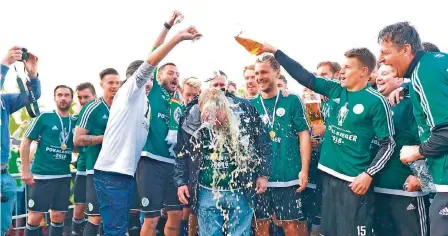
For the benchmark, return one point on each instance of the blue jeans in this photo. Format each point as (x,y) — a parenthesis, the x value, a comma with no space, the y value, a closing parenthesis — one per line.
(211,219)
(8,189)
(115,193)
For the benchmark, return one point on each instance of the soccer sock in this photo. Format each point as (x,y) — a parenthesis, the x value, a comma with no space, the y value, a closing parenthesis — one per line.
(183,228)
(56,229)
(78,226)
(91,229)
(101,230)
(31,230)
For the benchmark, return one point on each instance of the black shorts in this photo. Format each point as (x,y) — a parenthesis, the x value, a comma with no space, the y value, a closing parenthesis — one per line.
(344,212)
(438,215)
(155,182)
(285,203)
(79,191)
(92,205)
(48,194)
(312,203)
(401,215)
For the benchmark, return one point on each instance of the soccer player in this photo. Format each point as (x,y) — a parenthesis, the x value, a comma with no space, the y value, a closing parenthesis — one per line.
(116,165)
(252,87)
(86,93)
(285,123)
(50,177)
(356,115)
(10,103)
(89,133)
(402,49)
(401,208)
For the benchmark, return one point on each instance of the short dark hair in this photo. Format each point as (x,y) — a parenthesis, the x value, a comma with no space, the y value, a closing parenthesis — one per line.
(63,86)
(269,58)
(401,33)
(334,66)
(86,85)
(108,71)
(430,47)
(166,64)
(282,77)
(133,67)
(215,75)
(364,55)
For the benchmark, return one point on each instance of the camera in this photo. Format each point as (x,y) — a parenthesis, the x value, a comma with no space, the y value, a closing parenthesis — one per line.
(25,54)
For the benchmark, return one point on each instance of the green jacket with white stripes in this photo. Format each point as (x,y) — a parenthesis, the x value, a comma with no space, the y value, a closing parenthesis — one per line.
(429,94)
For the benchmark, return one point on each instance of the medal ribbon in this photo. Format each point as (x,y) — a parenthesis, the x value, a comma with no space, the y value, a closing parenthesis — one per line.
(64,134)
(271,124)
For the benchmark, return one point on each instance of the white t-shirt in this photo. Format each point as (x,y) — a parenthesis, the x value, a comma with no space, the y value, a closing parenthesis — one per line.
(128,125)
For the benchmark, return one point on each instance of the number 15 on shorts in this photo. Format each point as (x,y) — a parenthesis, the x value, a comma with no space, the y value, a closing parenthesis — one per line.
(361,230)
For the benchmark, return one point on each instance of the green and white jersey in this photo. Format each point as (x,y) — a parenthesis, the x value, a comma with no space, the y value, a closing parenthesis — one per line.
(81,162)
(429,95)
(93,117)
(289,119)
(51,161)
(353,120)
(391,178)
(156,147)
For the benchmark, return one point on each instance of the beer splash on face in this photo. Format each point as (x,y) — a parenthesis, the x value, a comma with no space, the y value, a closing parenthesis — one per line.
(226,134)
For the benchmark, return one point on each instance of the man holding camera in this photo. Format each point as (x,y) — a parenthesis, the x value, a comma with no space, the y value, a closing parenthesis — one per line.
(10,103)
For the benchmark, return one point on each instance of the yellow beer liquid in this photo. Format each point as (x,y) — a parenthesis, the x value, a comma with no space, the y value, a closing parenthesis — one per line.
(253,47)
(313,113)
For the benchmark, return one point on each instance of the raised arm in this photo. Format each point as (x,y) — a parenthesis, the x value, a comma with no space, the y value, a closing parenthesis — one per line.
(166,28)
(14,54)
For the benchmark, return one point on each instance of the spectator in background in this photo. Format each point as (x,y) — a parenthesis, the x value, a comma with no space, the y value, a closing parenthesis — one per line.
(191,87)
(252,87)
(430,47)
(282,83)
(10,103)
(372,78)
(231,87)
(328,69)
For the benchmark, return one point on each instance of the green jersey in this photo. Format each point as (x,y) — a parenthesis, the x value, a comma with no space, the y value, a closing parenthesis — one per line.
(54,151)
(352,122)
(287,115)
(15,165)
(429,95)
(93,117)
(156,147)
(81,162)
(391,179)
(216,167)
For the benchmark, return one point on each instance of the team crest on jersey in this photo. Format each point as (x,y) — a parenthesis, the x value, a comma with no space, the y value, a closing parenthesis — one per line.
(90,207)
(342,114)
(177,114)
(280,112)
(30,203)
(358,109)
(145,202)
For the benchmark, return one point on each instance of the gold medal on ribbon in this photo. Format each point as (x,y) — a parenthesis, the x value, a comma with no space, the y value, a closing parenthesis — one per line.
(63,146)
(214,156)
(272,134)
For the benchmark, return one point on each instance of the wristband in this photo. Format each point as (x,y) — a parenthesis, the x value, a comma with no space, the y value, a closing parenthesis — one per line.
(167,26)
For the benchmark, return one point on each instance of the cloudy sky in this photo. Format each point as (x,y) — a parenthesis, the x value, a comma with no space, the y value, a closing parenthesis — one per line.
(75,40)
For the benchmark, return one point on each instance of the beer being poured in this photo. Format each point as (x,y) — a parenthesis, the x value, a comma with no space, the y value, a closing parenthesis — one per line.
(252,46)
(312,106)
